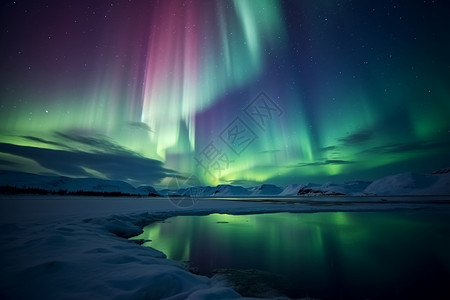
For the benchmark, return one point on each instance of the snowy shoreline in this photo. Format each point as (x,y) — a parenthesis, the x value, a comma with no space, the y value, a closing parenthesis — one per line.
(69,248)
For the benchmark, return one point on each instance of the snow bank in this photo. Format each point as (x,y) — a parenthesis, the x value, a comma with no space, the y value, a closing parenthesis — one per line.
(90,258)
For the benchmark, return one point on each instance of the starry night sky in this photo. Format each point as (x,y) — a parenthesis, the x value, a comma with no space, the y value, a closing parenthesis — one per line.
(240,92)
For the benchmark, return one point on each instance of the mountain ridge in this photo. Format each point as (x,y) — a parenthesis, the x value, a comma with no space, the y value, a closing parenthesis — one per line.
(403,184)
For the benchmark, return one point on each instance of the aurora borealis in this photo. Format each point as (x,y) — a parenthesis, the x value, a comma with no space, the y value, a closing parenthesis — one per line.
(240,92)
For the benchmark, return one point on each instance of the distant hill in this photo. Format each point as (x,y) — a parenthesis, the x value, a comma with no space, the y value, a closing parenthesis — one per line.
(230,190)
(352,188)
(266,189)
(18,182)
(435,183)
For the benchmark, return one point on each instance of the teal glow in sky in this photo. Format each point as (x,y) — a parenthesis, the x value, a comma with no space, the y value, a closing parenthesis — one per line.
(239,92)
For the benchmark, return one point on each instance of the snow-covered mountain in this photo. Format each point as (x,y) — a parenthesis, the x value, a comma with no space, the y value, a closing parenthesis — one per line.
(266,190)
(197,191)
(352,188)
(147,190)
(21,180)
(437,183)
(291,190)
(224,190)
(230,190)
(442,171)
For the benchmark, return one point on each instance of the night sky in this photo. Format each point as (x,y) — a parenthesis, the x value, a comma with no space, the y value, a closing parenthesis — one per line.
(241,92)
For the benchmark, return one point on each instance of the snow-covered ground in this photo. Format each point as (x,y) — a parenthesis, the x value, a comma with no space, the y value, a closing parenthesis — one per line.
(76,248)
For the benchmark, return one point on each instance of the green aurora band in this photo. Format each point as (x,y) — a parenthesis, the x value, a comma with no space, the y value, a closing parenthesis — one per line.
(362,90)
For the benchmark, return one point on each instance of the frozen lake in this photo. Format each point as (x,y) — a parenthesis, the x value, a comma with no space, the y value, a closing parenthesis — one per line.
(327,255)
(332,247)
